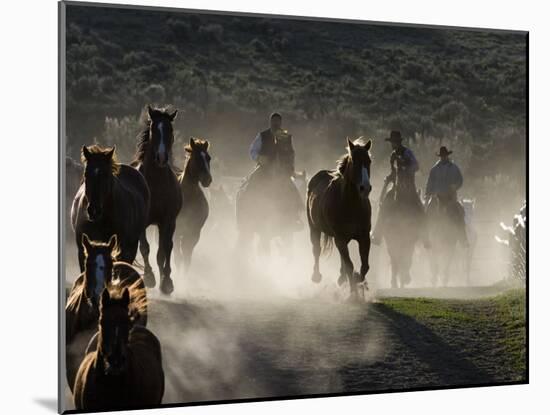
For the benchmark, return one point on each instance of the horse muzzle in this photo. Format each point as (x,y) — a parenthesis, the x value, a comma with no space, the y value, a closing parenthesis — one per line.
(206,181)
(114,368)
(161,159)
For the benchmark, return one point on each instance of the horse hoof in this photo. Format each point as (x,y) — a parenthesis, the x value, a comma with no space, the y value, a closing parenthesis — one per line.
(316,277)
(149,279)
(166,285)
(357,278)
(341,279)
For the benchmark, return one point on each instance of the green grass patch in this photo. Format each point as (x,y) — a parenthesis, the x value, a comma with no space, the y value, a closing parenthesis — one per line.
(491,331)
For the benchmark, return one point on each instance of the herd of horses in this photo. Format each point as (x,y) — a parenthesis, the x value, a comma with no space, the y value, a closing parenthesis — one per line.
(113,360)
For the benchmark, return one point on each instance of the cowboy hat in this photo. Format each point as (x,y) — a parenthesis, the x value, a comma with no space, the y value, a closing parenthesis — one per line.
(395,137)
(443,152)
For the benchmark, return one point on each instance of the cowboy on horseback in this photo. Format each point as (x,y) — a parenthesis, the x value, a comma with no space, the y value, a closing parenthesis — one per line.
(443,182)
(403,165)
(273,152)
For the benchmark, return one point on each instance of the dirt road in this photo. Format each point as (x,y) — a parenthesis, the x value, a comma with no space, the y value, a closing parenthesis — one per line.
(252,349)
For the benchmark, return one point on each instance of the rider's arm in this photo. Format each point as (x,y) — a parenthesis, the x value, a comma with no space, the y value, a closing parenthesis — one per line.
(430,184)
(256,147)
(291,155)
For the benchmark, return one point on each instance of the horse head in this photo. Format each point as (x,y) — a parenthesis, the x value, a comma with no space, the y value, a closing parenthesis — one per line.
(161,135)
(115,324)
(98,266)
(198,162)
(357,171)
(101,167)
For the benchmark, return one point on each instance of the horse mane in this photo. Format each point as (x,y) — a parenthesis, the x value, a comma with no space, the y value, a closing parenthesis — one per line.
(138,296)
(74,296)
(142,144)
(97,149)
(342,163)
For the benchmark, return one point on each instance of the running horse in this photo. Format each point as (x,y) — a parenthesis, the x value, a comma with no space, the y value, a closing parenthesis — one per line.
(267,204)
(153,160)
(405,222)
(339,210)
(113,199)
(122,368)
(194,211)
(444,236)
(82,310)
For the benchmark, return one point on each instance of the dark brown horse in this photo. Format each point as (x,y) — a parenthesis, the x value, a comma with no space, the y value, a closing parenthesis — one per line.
(112,200)
(123,365)
(153,160)
(444,236)
(338,208)
(195,209)
(406,222)
(82,311)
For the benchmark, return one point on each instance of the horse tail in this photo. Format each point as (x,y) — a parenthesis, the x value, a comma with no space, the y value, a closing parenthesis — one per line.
(327,243)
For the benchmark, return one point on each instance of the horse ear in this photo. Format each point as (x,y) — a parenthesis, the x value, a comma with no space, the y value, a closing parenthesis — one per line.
(368,145)
(111,152)
(86,243)
(206,145)
(85,152)
(113,242)
(105,297)
(350,144)
(126,296)
(173,115)
(192,142)
(150,111)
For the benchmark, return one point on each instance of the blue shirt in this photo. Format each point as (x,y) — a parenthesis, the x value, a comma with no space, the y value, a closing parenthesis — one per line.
(445,176)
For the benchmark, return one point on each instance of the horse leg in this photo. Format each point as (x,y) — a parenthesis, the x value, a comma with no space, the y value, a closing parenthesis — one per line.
(364,249)
(393,268)
(130,249)
(148,276)
(406,270)
(342,246)
(342,277)
(187,247)
(315,238)
(166,233)
(468,264)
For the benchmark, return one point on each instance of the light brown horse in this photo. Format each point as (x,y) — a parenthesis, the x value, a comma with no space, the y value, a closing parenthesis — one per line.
(124,369)
(338,208)
(82,311)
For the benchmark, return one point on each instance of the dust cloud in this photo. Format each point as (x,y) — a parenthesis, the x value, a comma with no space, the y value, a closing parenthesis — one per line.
(241,324)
